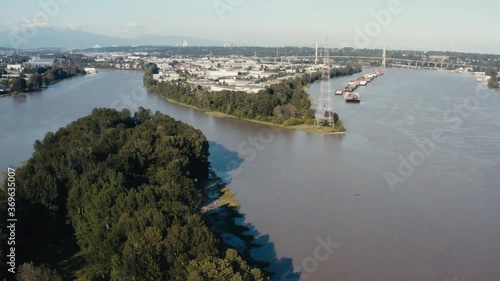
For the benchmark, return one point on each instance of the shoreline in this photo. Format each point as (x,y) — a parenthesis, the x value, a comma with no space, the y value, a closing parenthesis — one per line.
(302,127)
(119,69)
(307,124)
(13,94)
(221,211)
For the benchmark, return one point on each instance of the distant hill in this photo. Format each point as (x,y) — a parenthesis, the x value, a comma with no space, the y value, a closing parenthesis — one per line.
(66,38)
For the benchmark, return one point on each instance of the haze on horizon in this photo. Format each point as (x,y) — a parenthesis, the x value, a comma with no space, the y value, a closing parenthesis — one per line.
(469,26)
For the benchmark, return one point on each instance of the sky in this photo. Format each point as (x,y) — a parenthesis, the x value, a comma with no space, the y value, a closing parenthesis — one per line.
(400,24)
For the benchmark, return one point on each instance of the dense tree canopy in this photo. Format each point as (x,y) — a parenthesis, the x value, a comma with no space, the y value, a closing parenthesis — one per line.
(41,77)
(18,84)
(29,272)
(493,82)
(45,76)
(128,189)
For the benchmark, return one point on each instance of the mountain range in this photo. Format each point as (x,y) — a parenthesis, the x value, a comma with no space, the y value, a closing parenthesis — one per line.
(68,38)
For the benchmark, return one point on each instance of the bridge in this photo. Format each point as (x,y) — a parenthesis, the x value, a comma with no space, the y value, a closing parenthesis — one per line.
(383,59)
(402,62)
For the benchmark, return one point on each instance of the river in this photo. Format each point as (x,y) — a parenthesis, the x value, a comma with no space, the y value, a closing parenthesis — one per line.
(412,192)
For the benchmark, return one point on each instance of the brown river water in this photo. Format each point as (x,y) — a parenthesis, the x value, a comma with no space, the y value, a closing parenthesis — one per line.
(411,193)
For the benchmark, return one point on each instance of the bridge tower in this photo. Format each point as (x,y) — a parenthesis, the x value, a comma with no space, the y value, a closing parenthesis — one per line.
(324,109)
(316,60)
(384,56)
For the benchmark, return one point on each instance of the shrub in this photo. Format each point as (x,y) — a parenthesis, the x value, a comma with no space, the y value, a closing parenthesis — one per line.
(309,121)
(293,122)
(339,126)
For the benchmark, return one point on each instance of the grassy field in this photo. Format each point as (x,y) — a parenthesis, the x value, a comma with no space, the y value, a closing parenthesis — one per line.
(218,114)
(227,198)
(317,130)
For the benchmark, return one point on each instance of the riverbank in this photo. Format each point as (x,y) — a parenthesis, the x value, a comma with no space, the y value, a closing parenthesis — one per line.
(303,127)
(221,212)
(17,93)
(12,94)
(283,104)
(281,200)
(118,69)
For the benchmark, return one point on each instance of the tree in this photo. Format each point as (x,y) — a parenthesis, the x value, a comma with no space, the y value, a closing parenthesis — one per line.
(232,267)
(127,188)
(493,82)
(277,103)
(152,69)
(335,118)
(18,85)
(30,272)
(491,72)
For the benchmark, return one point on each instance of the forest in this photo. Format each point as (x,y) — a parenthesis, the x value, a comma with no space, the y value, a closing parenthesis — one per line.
(40,77)
(124,191)
(285,103)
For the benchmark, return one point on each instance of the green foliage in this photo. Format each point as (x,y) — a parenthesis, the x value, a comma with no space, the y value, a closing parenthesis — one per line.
(18,85)
(152,69)
(230,268)
(493,82)
(324,123)
(309,121)
(293,122)
(339,126)
(491,72)
(336,118)
(35,81)
(42,77)
(128,188)
(30,272)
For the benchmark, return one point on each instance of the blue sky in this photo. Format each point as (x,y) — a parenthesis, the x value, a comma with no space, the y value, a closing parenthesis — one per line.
(423,24)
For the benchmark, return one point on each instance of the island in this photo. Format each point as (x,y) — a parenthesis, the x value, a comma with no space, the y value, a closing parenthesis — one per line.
(119,196)
(284,103)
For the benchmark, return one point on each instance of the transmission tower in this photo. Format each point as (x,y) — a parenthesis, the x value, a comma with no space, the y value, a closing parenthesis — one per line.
(384,56)
(324,110)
